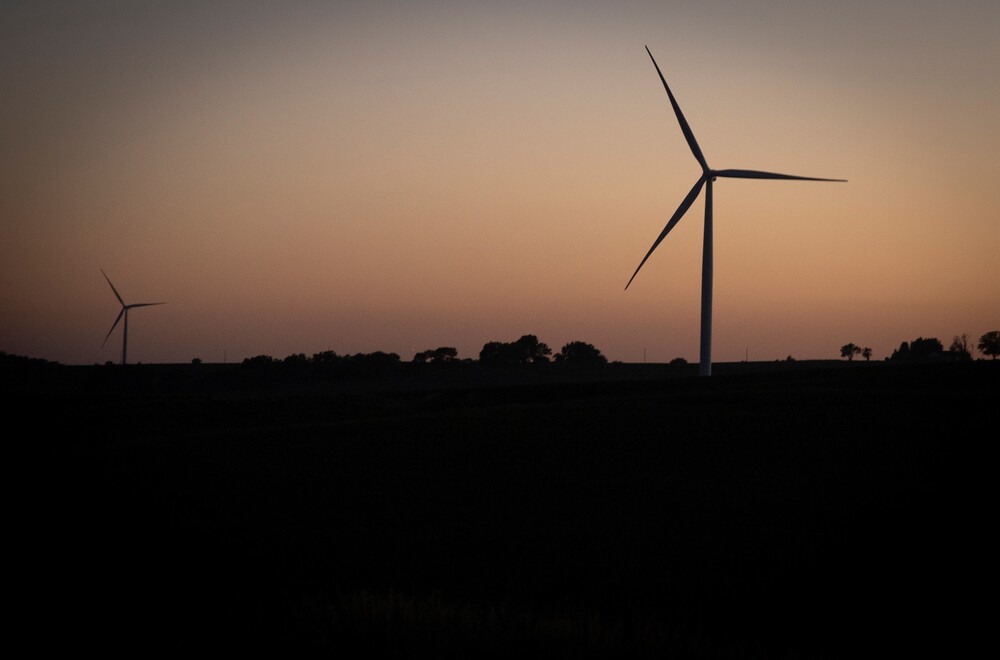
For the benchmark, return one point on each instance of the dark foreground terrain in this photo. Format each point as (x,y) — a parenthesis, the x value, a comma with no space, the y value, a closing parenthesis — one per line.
(823,511)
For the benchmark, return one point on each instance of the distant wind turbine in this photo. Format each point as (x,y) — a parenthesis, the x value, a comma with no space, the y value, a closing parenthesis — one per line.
(122,313)
(706,179)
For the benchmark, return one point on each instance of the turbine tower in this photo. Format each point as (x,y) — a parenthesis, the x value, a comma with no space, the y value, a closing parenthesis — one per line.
(122,313)
(708,176)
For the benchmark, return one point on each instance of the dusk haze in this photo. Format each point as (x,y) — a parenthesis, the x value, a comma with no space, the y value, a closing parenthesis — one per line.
(386,176)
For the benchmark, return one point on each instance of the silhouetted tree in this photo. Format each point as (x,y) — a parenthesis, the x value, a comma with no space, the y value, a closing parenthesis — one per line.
(918,349)
(259,367)
(849,351)
(866,353)
(296,365)
(258,360)
(438,355)
(532,350)
(445,354)
(578,352)
(678,362)
(526,350)
(325,359)
(924,349)
(494,352)
(989,344)
(960,347)
(8,360)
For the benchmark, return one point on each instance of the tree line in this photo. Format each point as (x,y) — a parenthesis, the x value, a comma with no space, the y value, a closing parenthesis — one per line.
(527,350)
(931,348)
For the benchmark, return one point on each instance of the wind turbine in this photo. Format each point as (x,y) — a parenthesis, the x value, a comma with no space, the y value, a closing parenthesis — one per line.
(122,313)
(708,176)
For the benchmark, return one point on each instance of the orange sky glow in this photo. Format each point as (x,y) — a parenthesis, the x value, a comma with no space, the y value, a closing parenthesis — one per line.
(307,176)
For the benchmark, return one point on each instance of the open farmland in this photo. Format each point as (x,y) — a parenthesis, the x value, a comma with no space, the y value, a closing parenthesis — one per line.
(811,511)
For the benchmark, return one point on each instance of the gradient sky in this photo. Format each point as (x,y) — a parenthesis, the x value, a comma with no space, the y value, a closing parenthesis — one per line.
(357,176)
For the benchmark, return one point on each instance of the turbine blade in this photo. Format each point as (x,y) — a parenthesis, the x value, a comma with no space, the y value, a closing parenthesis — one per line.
(688,135)
(754,174)
(115,325)
(145,305)
(112,287)
(674,219)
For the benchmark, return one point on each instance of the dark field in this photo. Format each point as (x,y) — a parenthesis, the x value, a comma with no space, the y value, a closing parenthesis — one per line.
(815,510)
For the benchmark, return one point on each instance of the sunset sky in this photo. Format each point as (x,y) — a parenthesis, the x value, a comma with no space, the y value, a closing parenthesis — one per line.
(357,176)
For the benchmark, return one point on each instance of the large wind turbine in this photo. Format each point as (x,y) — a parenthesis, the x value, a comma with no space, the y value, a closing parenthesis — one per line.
(122,313)
(708,176)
